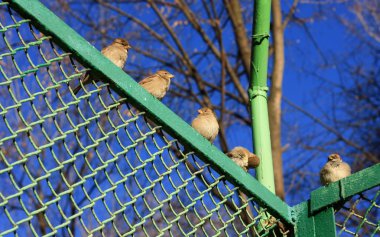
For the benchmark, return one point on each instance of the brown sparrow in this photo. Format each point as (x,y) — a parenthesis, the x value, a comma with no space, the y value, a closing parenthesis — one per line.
(206,124)
(244,158)
(117,52)
(334,170)
(157,84)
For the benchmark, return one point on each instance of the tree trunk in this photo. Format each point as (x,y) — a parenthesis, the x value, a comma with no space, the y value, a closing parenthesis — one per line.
(234,11)
(274,101)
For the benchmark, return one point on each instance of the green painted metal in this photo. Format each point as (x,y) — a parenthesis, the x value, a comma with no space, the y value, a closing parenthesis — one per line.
(304,225)
(325,223)
(345,188)
(321,224)
(85,53)
(258,93)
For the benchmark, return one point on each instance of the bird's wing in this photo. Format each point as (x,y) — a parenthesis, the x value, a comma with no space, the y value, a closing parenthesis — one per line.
(107,50)
(148,79)
(324,171)
(322,175)
(116,54)
(346,166)
(112,52)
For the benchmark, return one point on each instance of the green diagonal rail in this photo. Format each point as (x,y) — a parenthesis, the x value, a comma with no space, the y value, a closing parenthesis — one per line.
(68,39)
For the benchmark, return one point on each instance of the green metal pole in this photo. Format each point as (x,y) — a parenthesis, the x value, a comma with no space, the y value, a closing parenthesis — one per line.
(258,92)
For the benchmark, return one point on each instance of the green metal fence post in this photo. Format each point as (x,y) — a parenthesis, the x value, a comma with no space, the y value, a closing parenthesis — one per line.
(258,92)
(322,224)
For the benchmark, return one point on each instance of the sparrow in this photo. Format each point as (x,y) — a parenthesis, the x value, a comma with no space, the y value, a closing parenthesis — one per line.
(157,84)
(334,170)
(206,124)
(244,158)
(117,52)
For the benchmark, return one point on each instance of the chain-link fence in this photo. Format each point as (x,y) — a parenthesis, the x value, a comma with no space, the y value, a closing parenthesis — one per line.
(360,216)
(91,164)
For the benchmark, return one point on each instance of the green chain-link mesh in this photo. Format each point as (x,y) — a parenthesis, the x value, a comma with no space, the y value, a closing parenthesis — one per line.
(360,216)
(90,164)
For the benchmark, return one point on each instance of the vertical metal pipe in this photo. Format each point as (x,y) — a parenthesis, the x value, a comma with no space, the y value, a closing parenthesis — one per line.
(258,92)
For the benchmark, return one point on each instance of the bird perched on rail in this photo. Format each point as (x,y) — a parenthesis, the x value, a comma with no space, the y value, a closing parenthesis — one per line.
(117,52)
(157,84)
(334,170)
(244,158)
(206,124)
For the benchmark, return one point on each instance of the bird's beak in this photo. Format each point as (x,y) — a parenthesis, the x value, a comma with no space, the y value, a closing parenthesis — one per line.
(200,111)
(129,47)
(171,76)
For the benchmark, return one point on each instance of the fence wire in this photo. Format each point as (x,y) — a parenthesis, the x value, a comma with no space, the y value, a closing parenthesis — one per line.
(360,216)
(91,164)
